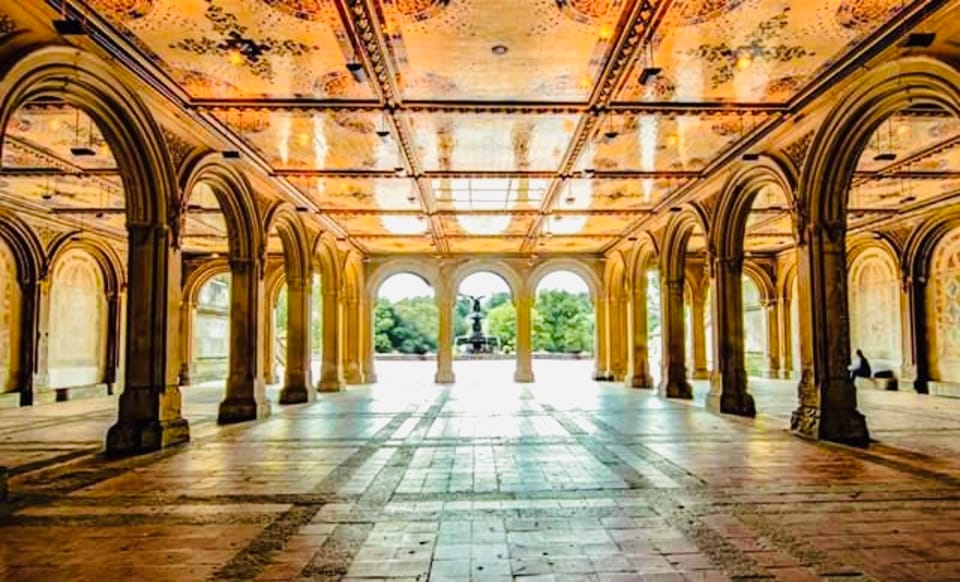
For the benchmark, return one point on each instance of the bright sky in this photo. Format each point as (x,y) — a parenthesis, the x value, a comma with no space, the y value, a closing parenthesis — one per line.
(483,283)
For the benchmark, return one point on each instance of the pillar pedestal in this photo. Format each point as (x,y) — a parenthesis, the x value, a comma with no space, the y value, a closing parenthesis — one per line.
(674,383)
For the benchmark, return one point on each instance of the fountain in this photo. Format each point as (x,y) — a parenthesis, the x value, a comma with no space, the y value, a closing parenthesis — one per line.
(478,342)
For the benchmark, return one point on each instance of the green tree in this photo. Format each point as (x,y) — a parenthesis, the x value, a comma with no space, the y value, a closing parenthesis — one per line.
(565,322)
(408,326)
(502,323)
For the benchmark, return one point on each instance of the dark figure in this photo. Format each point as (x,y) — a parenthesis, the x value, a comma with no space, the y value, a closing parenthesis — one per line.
(859,368)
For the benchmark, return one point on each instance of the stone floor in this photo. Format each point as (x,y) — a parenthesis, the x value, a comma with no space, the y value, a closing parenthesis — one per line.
(564,479)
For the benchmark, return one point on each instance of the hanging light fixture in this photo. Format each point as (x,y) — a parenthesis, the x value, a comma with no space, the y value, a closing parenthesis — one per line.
(79,150)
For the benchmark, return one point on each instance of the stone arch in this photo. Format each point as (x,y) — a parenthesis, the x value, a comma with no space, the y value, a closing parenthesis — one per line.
(394,266)
(135,140)
(244,226)
(736,200)
(838,143)
(676,236)
(293,236)
(761,278)
(553,265)
(103,254)
(497,267)
(325,255)
(918,251)
(646,253)
(875,303)
(201,275)
(26,247)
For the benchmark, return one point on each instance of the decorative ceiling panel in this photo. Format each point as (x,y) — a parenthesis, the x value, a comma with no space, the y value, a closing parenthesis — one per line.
(901,137)
(606,224)
(751,51)
(243,48)
(897,192)
(614,193)
(396,244)
(360,193)
(486,50)
(486,224)
(489,193)
(485,244)
(66,191)
(665,142)
(492,142)
(54,136)
(572,244)
(374,224)
(333,140)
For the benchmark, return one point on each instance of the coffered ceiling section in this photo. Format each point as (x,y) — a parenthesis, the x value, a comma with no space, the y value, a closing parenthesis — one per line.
(243,48)
(491,50)
(750,51)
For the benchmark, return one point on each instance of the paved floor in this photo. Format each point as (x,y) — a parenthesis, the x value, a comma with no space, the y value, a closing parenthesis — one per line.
(561,479)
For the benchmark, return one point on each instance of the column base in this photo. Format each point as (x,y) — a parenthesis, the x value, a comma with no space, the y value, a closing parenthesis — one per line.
(353,377)
(641,381)
(523,376)
(294,394)
(330,386)
(675,389)
(370,378)
(731,402)
(444,377)
(849,428)
(234,410)
(701,375)
(270,378)
(133,438)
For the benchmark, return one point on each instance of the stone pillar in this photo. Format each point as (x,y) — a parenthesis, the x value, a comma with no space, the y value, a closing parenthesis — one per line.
(113,341)
(270,344)
(186,340)
(246,393)
(351,358)
(915,368)
(149,408)
(445,303)
(603,335)
(619,330)
(296,376)
(331,374)
(524,305)
(772,312)
(698,331)
(786,336)
(366,326)
(35,332)
(827,396)
(641,358)
(673,383)
(728,383)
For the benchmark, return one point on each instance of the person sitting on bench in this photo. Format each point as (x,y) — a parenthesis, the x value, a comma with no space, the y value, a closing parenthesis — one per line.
(859,368)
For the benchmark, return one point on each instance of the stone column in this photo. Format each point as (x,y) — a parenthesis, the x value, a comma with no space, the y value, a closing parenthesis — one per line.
(351,359)
(619,330)
(603,335)
(827,396)
(698,325)
(915,368)
(366,325)
(673,383)
(186,340)
(113,341)
(641,358)
(331,374)
(296,376)
(270,344)
(246,393)
(772,312)
(524,305)
(786,337)
(728,383)
(149,408)
(445,303)
(35,327)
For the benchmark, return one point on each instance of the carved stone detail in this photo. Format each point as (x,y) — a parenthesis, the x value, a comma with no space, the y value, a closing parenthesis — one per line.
(797,151)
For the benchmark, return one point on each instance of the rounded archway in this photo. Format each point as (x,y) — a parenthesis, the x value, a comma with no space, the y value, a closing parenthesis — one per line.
(406,325)
(484,325)
(563,324)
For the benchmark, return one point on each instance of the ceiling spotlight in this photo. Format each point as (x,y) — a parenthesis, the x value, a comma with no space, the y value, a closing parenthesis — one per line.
(919,39)
(356,70)
(411,199)
(908,200)
(648,74)
(231,155)
(610,135)
(400,170)
(302,209)
(588,172)
(750,157)
(632,239)
(499,49)
(214,255)
(383,133)
(675,209)
(885,157)
(100,215)
(68,27)
(570,200)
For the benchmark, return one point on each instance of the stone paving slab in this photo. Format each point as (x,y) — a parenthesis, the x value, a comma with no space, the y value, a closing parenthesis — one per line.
(563,479)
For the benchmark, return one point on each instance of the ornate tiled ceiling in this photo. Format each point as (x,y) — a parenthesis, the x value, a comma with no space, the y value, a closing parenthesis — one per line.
(486,126)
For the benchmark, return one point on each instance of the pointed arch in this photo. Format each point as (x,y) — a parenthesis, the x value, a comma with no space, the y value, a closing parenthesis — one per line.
(761,278)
